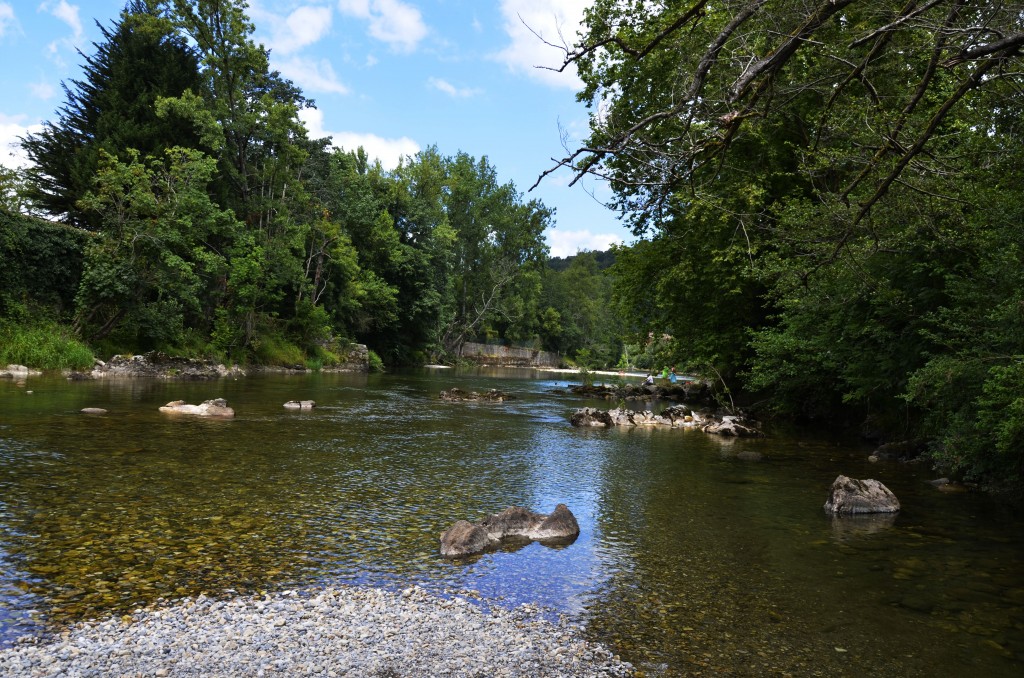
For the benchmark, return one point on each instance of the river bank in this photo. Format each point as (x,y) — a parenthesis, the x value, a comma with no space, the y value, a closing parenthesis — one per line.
(317,632)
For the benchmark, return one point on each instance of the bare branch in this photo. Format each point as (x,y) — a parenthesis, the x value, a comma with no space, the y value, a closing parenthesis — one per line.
(1010,45)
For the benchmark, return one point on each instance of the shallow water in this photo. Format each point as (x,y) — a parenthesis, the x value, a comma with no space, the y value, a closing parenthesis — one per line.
(690,561)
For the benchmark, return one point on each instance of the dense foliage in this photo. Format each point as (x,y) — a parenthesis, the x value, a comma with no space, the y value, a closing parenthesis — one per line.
(219,227)
(829,193)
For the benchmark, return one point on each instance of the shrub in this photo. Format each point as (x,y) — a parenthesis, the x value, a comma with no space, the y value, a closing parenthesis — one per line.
(43,345)
(376,364)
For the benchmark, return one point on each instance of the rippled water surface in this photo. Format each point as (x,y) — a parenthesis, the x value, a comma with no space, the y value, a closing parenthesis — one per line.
(690,561)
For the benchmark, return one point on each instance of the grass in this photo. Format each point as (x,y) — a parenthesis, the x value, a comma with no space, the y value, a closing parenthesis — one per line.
(43,346)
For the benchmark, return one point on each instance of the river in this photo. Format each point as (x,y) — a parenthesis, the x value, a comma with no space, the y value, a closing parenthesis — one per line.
(690,560)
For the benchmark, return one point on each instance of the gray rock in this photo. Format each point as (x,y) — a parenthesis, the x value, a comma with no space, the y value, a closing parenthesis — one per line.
(93,410)
(732,426)
(464,538)
(300,404)
(852,496)
(18,372)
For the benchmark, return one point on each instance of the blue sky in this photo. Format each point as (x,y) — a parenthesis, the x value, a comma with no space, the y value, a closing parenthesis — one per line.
(394,76)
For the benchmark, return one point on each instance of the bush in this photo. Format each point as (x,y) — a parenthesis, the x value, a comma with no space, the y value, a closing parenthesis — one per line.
(376,364)
(44,345)
(273,349)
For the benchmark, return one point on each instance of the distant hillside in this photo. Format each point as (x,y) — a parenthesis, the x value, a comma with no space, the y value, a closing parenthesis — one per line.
(603,259)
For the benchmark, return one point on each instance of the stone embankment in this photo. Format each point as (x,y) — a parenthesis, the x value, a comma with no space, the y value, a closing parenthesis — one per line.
(18,372)
(318,632)
(162,366)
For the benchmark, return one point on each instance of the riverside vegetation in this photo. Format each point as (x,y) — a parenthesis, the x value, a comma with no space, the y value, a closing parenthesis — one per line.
(826,197)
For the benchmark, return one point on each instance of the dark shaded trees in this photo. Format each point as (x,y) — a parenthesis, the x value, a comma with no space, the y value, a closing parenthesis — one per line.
(823,186)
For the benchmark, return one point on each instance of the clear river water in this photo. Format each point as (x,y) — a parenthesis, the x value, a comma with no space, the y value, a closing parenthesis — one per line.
(691,560)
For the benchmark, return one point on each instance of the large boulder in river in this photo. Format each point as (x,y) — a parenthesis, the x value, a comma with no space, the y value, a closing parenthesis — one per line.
(465,538)
(852,496)
(211,408)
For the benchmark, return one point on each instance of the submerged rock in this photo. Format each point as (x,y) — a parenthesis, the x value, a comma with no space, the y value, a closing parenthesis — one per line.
(852,496)
(465,538)
(211,408)
(93,410)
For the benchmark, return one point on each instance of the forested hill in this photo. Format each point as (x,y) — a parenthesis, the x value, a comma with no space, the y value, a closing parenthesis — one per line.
(604,260)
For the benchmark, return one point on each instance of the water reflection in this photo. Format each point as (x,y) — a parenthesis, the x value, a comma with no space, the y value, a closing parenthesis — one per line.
(696,553)
(846,528)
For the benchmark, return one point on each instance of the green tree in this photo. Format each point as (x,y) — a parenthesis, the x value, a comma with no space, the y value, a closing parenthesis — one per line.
(113,109)
(151,274)
(579,312)
(252,113)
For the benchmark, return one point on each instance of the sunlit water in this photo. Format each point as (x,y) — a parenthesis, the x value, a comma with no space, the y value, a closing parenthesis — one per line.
(690,560)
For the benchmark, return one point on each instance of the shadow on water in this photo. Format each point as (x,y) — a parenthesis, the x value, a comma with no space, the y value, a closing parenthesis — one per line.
(696,554)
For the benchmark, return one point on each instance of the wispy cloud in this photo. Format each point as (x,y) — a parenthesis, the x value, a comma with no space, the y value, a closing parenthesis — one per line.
(8,21)
(388,151)
(451,90)
(394,22)
(67,13)
(311,74)
(539,31)
(42,90)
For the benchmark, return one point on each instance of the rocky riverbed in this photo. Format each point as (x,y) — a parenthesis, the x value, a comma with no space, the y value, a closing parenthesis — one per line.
(317,632)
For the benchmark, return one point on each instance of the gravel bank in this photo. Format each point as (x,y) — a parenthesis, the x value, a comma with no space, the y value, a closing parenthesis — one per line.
(318,632)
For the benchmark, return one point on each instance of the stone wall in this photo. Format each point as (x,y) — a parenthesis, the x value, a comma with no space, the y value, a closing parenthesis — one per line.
(508,356)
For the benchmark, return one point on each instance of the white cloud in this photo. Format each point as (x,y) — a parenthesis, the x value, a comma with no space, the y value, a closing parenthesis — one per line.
(565,243)
(531,25)
(305,26)
(451,90)
(12,127)
(42,90)
(311,75)
(394,22)
(8,22)
(66,13)
(388,151)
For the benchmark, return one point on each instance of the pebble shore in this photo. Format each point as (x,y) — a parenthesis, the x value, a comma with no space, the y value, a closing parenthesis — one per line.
(317,632)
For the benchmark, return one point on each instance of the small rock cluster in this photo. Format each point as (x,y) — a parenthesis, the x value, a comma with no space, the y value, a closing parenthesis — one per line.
(317,632)
(678,416)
